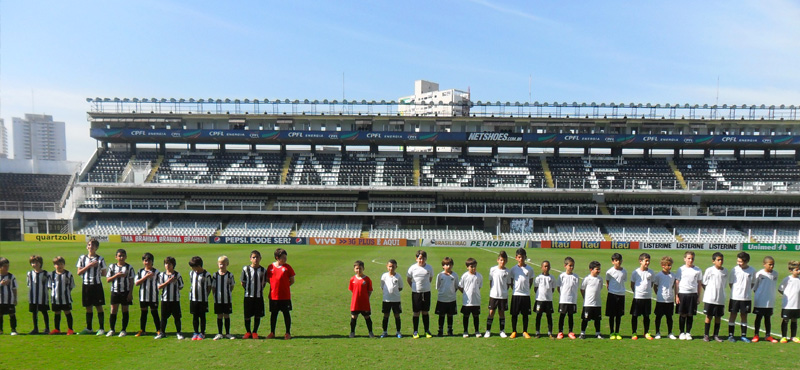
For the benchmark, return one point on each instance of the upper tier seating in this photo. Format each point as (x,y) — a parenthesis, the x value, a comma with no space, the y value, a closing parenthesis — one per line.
(109,166)
(612,173)
(27,187)
(751,174)
(212,167)
(502,170)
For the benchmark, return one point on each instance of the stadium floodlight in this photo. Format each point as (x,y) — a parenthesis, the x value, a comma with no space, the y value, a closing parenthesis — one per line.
(116,100)
(622,105)
(135,100)
(791,106)
(666,105)
(649,105)
(583,104)
(574,104)
(612,104)
(285,101)
(545,104)
(306,101)
(536,103)
(227,100)
(724,105)
(363,101)
(383,101)
(526,104)
(771,107)
(602,105)
(181,100)
(236,101)
(783,106)
(593,104)
(763,106)
(88,100)
(325,101)
(498,103)
(639,105)
(125,100)
(106,99)
(296,101)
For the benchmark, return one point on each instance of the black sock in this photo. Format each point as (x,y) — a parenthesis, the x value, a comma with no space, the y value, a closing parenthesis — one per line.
(571,322)
(502,324)
(731,328)
(112,321)
(89,316)
(757,324)
(219,325)
(126,317)
(465,321)
(228,325)
(524,323)
(597,326)
(177,324)
(784,328)
(352,324)
(69,320)
(368,320)
(538,321)
(12,320)
(101,320)
(584,323)
(611,325)
(476,322)
(56,321)
(156,319)
(716,328)
(441,323)
(426,322)
(744,330)
(658,323)
(46,321)
(415,321)
(619,323)
(256,323)
(273,321)
(397,322)
(514,323)
(247,325)
(489,321)
(689,324)
(196,323)
(646,323)
(385,323)
(634,325)
(768,325)
(794,329)
(1,322)
(561,322)
(707,328)
(143,320)
(669,324)
(449,324)
(549,323)
(163,322)
(287,321)
(203,324)
(682,324)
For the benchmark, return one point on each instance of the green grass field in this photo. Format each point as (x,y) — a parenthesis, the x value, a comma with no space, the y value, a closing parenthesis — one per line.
(321,319)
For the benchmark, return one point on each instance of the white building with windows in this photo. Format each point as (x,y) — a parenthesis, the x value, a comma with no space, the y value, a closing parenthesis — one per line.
(428,100)
(37,136)
(3,140)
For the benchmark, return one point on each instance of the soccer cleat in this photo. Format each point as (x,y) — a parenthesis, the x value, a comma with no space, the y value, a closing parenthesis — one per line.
(86,332)
(218,337)
(55,331)
(416,335)
(744,339)
(672,336)
(179,336)
(159,336)
(783,340)
(384,335)
(658,336)
(371,335)
(449,332)
(560,335)
(648,336)
(689,336)
(100,332)
(122,334)
(599,336)
(230,336)
(526,335)
(706,338)
(248,335)
(683,336)
(503,334)
(718,339)
(440,334)
(271,335)
(619,337)
(195,336)
(478,335)
(352,334)
(13,333)
(634,337)
(796,340)
(34,332)
(771,339)
(428,334)
(70,332)
(513,335)
(582,336)
(731,339)
(401,335)
(537,335)
(201,336)
(140,333)
(255,335)
(487,334)
(571,335)
(755,339)
(109,334)
(466,335)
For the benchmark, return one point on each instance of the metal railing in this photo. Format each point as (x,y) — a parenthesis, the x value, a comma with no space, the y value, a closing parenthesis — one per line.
(29,206)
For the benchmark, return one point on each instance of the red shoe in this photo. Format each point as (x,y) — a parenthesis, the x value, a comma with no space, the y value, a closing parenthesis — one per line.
(560,335)
(571,335)
(287,336)
(255,335)
(271,335)
(771,339)
(55,331)
(70,332)
(140,333)
(755,339)
(248,336)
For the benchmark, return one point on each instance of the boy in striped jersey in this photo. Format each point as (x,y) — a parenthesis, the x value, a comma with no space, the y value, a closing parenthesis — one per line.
(198,296)
(8,296)
(61,285)
(222,285)
(91,267)
(147,281)
(254,279)
(170,283)
(38,281)
(121,277)
(280,276)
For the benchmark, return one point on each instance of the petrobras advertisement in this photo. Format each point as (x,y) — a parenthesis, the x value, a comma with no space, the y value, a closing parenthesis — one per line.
(474,243)
(255,240)
(692,246)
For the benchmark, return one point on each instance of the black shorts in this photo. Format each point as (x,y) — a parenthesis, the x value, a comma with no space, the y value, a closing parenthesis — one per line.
(446,308)
(93,295)
(198,308)
(8,309)
(253,307)
(170,308)
(38,307)
(688,305)
(362,313)
(148,305)
(520,304)
(790,314)
(641,307)
(392,307)
(280,305)
(471,310)
(499,304)
(713,310)
(739,306)
(543,307)
(223,308)
(420,302)
(615,305)
(665,308)
(763,311)
(568,308)
(121,298)
(61,307)
(592,313)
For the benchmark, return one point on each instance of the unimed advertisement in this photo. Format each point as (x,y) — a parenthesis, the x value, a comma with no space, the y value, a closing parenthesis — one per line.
(777,247)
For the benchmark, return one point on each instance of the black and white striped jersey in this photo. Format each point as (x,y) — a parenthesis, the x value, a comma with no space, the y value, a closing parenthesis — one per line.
(7,289)
(92,275)
(171,292)
(200,284)
(38,282)
(61,286)
(254,280)
(222,286)
(148,289)
(123,284)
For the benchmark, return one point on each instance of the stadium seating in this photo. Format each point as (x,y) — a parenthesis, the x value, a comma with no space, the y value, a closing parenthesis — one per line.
(184,227)
(109,166)
(775,234)
(316,203)
(612,173)
(503,170)
(750,174)
(213,167)
(110,225)
(441,234)
(710,233)
(640,232)
(330,228)
(577,231)
(520,207)
(26,187)
(402,203)
(263,228)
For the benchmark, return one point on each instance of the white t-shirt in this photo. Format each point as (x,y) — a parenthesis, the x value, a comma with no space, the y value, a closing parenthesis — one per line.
(742,280)
(446,285)
(522,277)
(568,284)
(592,285)
(544,288)
(616,280)
(689,278)
(471,286)
(420,277)
(714,281)
(499,280)
(791,293)
(642,283)
(764,288)
(391,286)
(666,287)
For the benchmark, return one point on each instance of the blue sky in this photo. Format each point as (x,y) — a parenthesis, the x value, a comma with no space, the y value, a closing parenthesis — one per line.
(57,53)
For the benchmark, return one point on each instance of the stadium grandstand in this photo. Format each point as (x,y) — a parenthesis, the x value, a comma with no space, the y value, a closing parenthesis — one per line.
(531,172)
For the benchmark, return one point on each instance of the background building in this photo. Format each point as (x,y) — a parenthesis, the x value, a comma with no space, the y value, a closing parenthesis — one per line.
(37,136)
(3,140)
(428,100)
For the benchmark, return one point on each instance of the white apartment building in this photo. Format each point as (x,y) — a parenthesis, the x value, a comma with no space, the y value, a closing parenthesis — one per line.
(428,100)
(3,140)
(37,136)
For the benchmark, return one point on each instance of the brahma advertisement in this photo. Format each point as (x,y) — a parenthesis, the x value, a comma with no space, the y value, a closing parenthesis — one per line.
(164,239)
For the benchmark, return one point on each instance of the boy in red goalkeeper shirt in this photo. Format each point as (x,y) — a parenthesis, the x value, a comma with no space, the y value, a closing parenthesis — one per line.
(281,277)
(361,286)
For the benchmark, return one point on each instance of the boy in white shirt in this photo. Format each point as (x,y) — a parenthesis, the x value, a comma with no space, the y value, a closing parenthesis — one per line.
(568,284)
(689,281)
(790,288)
(590,290)
(499,282)
(664,286)
(764,286)
(741,283)
(522,275)
(446,285)
(470,285)
(616,277)
(544,286)
(641,285)
(419,278)
(391,285)
(714,280)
